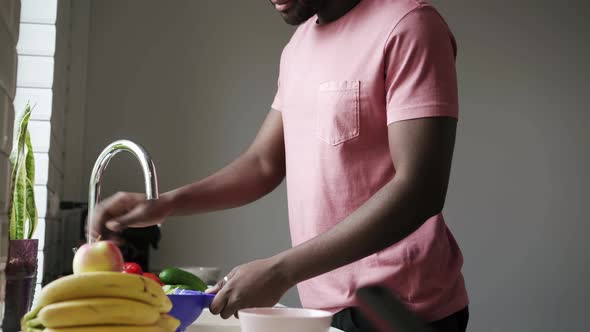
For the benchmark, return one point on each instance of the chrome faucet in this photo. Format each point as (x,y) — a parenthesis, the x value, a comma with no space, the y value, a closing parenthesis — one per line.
(147,166)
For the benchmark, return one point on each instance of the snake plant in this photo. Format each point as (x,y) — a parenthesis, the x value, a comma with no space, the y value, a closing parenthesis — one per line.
(23,212)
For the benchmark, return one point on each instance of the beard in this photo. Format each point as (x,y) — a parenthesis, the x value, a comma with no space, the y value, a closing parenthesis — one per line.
(301,11)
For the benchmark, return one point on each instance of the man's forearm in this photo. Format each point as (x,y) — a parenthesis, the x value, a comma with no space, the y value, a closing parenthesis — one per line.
(393,213)
(243,181)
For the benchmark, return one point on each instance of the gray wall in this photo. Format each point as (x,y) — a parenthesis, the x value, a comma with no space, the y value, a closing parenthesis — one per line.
(520,189)
(193,81)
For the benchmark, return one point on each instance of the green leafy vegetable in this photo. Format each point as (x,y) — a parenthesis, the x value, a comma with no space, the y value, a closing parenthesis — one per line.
(23,212)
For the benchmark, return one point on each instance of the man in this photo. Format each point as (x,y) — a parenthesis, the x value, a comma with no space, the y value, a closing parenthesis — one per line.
(363,127)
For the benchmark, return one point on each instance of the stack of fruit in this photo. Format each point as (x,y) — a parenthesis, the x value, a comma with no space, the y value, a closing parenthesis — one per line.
(98,297)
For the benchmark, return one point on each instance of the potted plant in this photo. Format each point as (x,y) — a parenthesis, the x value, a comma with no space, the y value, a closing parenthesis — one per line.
(21,268)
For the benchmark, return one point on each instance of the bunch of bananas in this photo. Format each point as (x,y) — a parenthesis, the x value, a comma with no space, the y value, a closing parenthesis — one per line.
(101,301)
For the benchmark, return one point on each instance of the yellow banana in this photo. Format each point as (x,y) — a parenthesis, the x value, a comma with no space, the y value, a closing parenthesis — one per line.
(102,284)
(107,328)
(33,329)
(168,323)
(98,311)
(35,323)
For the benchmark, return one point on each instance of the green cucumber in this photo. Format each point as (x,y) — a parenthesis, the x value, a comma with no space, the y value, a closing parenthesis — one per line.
(175,276)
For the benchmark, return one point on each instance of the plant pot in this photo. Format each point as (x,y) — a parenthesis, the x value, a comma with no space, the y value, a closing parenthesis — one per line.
(21,273)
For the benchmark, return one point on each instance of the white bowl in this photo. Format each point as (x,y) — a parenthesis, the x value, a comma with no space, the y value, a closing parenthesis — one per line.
(210,275)
(284,320)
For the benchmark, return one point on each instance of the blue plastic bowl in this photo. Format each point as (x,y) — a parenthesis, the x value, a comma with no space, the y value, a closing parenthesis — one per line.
(188,306)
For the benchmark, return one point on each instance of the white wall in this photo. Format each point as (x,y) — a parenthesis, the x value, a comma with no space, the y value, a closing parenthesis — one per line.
(191,80)
(43,58)
(36,48)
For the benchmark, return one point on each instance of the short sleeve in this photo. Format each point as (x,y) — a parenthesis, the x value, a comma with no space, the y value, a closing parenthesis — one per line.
(420,74)
(277,103)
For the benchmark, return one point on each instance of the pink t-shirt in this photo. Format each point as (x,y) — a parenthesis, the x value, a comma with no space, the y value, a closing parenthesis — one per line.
(340,86)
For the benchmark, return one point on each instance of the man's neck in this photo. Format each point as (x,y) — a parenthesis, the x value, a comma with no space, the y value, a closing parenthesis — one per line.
(332,10)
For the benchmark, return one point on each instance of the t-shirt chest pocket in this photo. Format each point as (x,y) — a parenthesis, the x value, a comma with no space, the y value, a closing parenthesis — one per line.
(337,111)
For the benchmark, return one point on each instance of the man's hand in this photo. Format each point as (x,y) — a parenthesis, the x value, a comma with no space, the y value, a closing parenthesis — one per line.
(257,284)
(124,210)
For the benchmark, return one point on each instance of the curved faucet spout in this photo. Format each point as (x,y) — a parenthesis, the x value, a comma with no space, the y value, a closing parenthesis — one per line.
(147,166)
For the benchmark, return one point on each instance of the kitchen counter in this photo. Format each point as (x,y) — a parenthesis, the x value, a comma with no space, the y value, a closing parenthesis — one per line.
(211,323)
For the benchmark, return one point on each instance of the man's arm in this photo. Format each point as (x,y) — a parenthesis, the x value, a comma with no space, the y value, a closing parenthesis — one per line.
(421,151)
(255,173)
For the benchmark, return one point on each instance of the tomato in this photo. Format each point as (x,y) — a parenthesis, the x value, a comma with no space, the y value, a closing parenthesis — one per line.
(132,268)
(153,277)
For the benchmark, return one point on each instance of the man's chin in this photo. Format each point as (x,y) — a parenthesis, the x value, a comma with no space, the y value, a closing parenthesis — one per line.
(292,19)
(298,13)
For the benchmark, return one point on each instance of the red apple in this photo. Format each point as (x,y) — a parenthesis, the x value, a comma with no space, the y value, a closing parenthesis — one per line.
(98,256)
